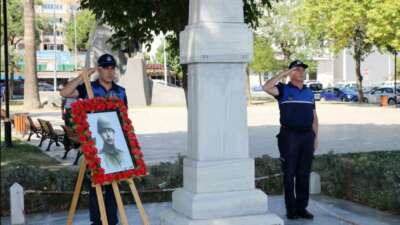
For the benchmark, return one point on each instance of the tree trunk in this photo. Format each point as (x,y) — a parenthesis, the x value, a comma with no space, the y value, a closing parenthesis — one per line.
(359,80)
(286,57)
(31,94)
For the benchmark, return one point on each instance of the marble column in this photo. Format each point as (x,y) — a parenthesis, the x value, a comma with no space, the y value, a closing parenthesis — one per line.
(219,185)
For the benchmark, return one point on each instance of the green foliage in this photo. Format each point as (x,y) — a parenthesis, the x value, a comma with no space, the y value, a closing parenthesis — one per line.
(280,26)
(173,60)
(85,22)
(384,24)
(29,154)
(15,22)
(371,179)
(15,13)
(340,24)
(141,21)
(34,170)
(267,166)
(264,56)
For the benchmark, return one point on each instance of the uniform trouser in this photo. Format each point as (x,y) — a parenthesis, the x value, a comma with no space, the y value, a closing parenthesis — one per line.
(296,151)
(111,206)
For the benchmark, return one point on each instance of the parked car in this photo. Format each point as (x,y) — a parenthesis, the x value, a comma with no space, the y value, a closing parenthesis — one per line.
(43,86)
(349,84)
(374,97)
(350,94)
(316,87)
(367,90)
(332,94)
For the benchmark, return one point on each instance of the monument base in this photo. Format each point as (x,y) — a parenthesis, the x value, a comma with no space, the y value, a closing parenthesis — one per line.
(171,217)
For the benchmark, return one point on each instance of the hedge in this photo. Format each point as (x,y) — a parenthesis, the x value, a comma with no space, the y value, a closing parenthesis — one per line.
(372,179)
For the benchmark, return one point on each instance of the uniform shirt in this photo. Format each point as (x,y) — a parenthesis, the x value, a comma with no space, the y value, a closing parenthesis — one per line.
(111,159)
(100,91)
(296,106)
(115,160)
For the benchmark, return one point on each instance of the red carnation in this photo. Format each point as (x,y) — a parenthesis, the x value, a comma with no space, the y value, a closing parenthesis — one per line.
(92,165)
(97,160)
(82,138)
(90,142)
(131,136)
(101,170)
(136,151)
(80,129)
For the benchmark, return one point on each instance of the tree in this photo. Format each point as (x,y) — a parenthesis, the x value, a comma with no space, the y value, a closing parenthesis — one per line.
(172,58)
(31,94)
(85,22)
(15,9)
(15,35)
(264,57)
(340,24)
(141,21)
(384,26)
(281,27)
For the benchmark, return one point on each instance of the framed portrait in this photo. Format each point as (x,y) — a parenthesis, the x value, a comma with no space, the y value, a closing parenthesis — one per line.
(107,138)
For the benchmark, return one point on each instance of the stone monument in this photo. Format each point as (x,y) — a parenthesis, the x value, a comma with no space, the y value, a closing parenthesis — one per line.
(219,186)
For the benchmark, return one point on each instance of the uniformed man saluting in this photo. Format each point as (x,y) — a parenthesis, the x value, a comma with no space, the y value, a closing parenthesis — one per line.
(298,136)
(104,86)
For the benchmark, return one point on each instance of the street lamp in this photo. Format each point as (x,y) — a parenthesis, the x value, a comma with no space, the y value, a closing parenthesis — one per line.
(165,65)
(7,122)
(54,47)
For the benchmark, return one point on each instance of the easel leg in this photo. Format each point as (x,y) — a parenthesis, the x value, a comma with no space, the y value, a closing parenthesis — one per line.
(77,192)
(102,208)
(135,193)
(121,209)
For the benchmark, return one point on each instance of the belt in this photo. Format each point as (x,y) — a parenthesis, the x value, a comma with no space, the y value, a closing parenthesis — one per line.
(297,129)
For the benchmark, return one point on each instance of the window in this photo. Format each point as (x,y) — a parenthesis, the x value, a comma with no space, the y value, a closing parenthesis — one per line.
(60,47)
(388,90)
(51,7)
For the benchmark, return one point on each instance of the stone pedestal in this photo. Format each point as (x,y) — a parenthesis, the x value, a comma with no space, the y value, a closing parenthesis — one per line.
(219,185)
(136,83)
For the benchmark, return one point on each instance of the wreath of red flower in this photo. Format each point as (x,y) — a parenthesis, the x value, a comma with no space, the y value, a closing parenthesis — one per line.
(79,110)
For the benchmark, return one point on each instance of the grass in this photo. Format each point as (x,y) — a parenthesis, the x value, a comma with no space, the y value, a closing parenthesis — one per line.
(22,153)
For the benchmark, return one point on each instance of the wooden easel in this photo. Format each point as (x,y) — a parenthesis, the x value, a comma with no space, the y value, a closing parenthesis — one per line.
(99,193)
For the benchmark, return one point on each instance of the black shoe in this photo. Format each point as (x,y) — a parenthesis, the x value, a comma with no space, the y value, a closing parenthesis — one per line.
(292,215)
(303,213)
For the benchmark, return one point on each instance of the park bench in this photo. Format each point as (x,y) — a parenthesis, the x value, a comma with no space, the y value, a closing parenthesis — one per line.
(71,141)
(33,128)
(48,132)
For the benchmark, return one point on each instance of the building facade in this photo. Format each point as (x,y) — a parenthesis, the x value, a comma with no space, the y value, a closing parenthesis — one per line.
(375,69)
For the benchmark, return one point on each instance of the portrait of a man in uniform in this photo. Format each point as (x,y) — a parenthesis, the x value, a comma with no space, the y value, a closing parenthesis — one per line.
(111,145)
(110,154)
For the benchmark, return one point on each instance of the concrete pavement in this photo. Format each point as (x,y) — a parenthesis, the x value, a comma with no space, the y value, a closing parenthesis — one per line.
(162,131)
(327,211)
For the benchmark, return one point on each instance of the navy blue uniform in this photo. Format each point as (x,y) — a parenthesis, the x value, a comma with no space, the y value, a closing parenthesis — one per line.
(296,142)
(100,91)
(111,206)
